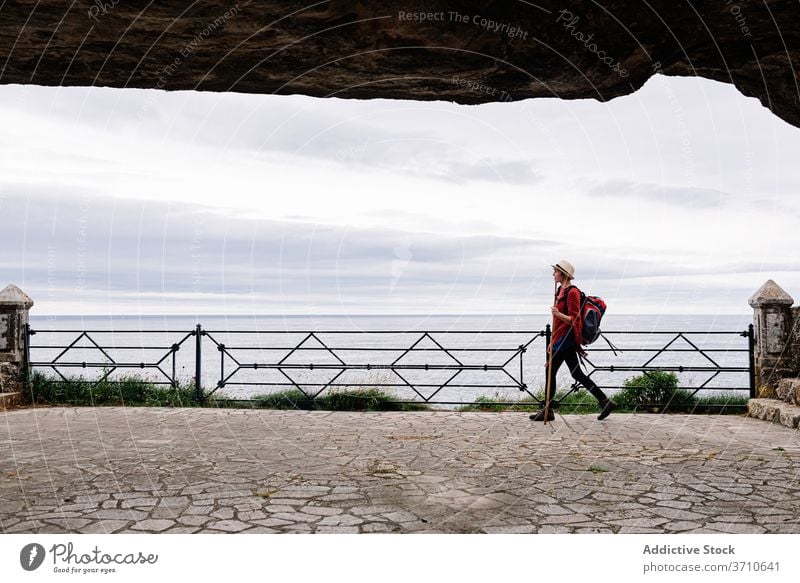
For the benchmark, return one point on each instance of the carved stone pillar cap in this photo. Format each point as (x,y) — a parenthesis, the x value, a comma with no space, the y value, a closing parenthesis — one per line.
(13,296)
(770,294)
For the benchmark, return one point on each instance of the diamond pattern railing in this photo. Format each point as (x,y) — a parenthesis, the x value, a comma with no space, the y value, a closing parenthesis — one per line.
(676,352)
(443,367)
(107,361)
(423,363)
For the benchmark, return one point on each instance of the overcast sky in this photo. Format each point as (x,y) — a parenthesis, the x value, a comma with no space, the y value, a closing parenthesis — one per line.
(681,198)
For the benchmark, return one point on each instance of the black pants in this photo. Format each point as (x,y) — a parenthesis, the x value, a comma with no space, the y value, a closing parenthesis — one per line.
(569,355)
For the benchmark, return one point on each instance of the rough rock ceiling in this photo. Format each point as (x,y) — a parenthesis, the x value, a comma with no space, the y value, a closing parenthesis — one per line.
(468,52)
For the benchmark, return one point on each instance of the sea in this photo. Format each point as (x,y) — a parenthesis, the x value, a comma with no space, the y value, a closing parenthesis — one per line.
(446,360)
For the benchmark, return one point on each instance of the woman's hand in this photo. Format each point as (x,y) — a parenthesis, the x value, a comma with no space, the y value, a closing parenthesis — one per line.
(559,315)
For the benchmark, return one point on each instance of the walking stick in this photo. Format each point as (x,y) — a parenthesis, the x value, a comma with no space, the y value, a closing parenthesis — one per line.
(547,384)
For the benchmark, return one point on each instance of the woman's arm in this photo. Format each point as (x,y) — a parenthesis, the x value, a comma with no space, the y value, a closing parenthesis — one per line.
(573,304)
(573,307)
(560,316)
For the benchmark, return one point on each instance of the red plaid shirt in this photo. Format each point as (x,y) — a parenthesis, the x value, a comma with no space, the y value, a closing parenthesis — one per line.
(568,303)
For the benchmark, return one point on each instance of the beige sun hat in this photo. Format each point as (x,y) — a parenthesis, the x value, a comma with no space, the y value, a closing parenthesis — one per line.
(566,268)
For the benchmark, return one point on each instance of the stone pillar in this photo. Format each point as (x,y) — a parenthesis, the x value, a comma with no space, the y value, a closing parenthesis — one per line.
(794,341)
(14,307)
(773,321)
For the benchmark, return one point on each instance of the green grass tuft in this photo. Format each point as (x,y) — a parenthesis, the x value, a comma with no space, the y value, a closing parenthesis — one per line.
(577,402)
(131,390)
(630,400)
(355,400)
(125,390)
(658,392)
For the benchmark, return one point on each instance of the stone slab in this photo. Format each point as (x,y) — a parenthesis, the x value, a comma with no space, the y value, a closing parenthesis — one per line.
(788,390)
(10,400)
(775,411)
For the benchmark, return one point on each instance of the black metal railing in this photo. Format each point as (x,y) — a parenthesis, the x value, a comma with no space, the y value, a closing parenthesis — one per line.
(421,364)
(707,360)
(86,352)
(443,367)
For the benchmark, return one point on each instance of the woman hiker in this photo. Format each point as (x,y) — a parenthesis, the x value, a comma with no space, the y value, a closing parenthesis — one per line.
(566,342)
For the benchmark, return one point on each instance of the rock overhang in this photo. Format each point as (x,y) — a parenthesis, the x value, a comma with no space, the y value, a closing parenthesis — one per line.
(467,52)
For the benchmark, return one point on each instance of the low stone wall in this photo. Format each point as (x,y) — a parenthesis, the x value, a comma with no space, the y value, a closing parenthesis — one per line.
(10,386)
(784,409)
(788,391)
(794,340)
(9,378)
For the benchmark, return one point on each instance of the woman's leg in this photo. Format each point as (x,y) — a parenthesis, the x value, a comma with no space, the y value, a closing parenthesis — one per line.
(571,358)
(558,359)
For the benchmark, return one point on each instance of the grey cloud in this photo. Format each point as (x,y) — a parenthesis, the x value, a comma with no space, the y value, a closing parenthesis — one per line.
(80,245)
(509,172)
(408,153)
(624,269)
(265,125)
(684,197)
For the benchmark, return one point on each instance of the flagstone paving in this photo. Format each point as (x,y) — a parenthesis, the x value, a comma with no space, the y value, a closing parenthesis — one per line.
(144,470)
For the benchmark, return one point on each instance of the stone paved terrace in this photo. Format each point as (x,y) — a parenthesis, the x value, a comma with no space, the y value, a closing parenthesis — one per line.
(257,471)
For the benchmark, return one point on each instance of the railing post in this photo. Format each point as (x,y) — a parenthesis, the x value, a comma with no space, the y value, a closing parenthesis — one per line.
(547,333)
(198,360)
(751,349)
(26,367)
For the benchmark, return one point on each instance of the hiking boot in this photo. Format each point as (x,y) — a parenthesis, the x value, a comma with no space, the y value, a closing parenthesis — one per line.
(539,415)
(608,407)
